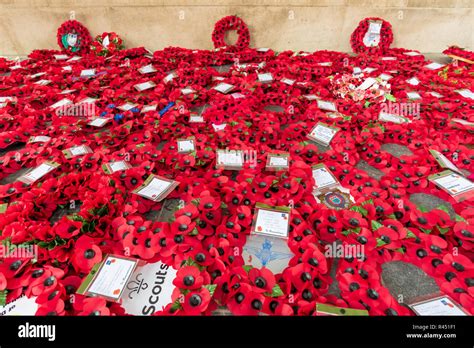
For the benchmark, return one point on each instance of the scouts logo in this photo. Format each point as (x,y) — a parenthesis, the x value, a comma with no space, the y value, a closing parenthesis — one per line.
(335,200)
(136,285)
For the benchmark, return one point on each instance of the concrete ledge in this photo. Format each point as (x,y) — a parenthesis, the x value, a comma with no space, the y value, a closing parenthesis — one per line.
(426,25)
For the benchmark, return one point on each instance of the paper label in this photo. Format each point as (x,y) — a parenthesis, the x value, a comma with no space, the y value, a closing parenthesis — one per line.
(21,306)
(323,177)
(147,69)
(110,279)
(186,145)
(224,87)
(230,158)
(323,133)
(453,183)
(442,305)
(326,105)
(271,222)
(144,86)
(156,188)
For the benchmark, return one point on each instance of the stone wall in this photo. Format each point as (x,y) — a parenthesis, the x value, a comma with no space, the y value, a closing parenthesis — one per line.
(427,25)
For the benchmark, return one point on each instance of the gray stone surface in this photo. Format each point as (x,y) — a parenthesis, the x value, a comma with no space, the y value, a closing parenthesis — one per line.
(13,147)
(199,109)
(334,286)
(406,281)
(222,68)
(13,176)
(371,171)
(431,202)
(396,150)
(274,108)
(68,210)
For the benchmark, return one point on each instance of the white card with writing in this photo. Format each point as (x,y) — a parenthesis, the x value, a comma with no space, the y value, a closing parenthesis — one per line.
(436,94)
(126,106)
(60,103)
(147,69)
(61,56)
(385,77)
(37,173)
(144,86)
(186,145)
(118,165)
(148,108)
(311,97)
(287,81)
(155,188)
(323,178)
(67,68)
(111,279)
(274,223)
(169,77)
(224,87)
(413,81)
(88,72)
(434,66)
(439,306)
(368,70)
(387,117)
(463,122)
(413,95)
(323,134)
(412,53)
(265,77)
(21,306)
(39,139)
(187,90)
(196,119)
(465,93)
(74,59)
(278,161)
(231,158)
(326,105)
(78,150)
(98,122)
(368,82)
(454,183)
(219,127)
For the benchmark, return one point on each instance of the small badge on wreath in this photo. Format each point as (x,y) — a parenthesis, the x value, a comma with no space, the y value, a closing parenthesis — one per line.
(73,37)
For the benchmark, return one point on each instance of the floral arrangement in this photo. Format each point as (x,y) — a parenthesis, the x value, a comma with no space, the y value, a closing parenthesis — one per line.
(460,54)
(231,23)
(77,213)
(107,44)
(366,40)
(349,86)
(73,37)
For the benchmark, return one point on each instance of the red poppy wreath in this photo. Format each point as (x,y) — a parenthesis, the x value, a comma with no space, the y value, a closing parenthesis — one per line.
(73,37)
(372,36)
(231,23)
(107,43)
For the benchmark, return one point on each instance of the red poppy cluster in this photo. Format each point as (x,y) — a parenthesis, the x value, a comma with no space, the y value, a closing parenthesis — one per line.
(77,213)
(231,23)
(460,53)
(104,48)
(74,27)
(357,38)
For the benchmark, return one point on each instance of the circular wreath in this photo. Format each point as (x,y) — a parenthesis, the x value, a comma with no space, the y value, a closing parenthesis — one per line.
(107,43)
(73,37)
(363,41)
(231,23)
